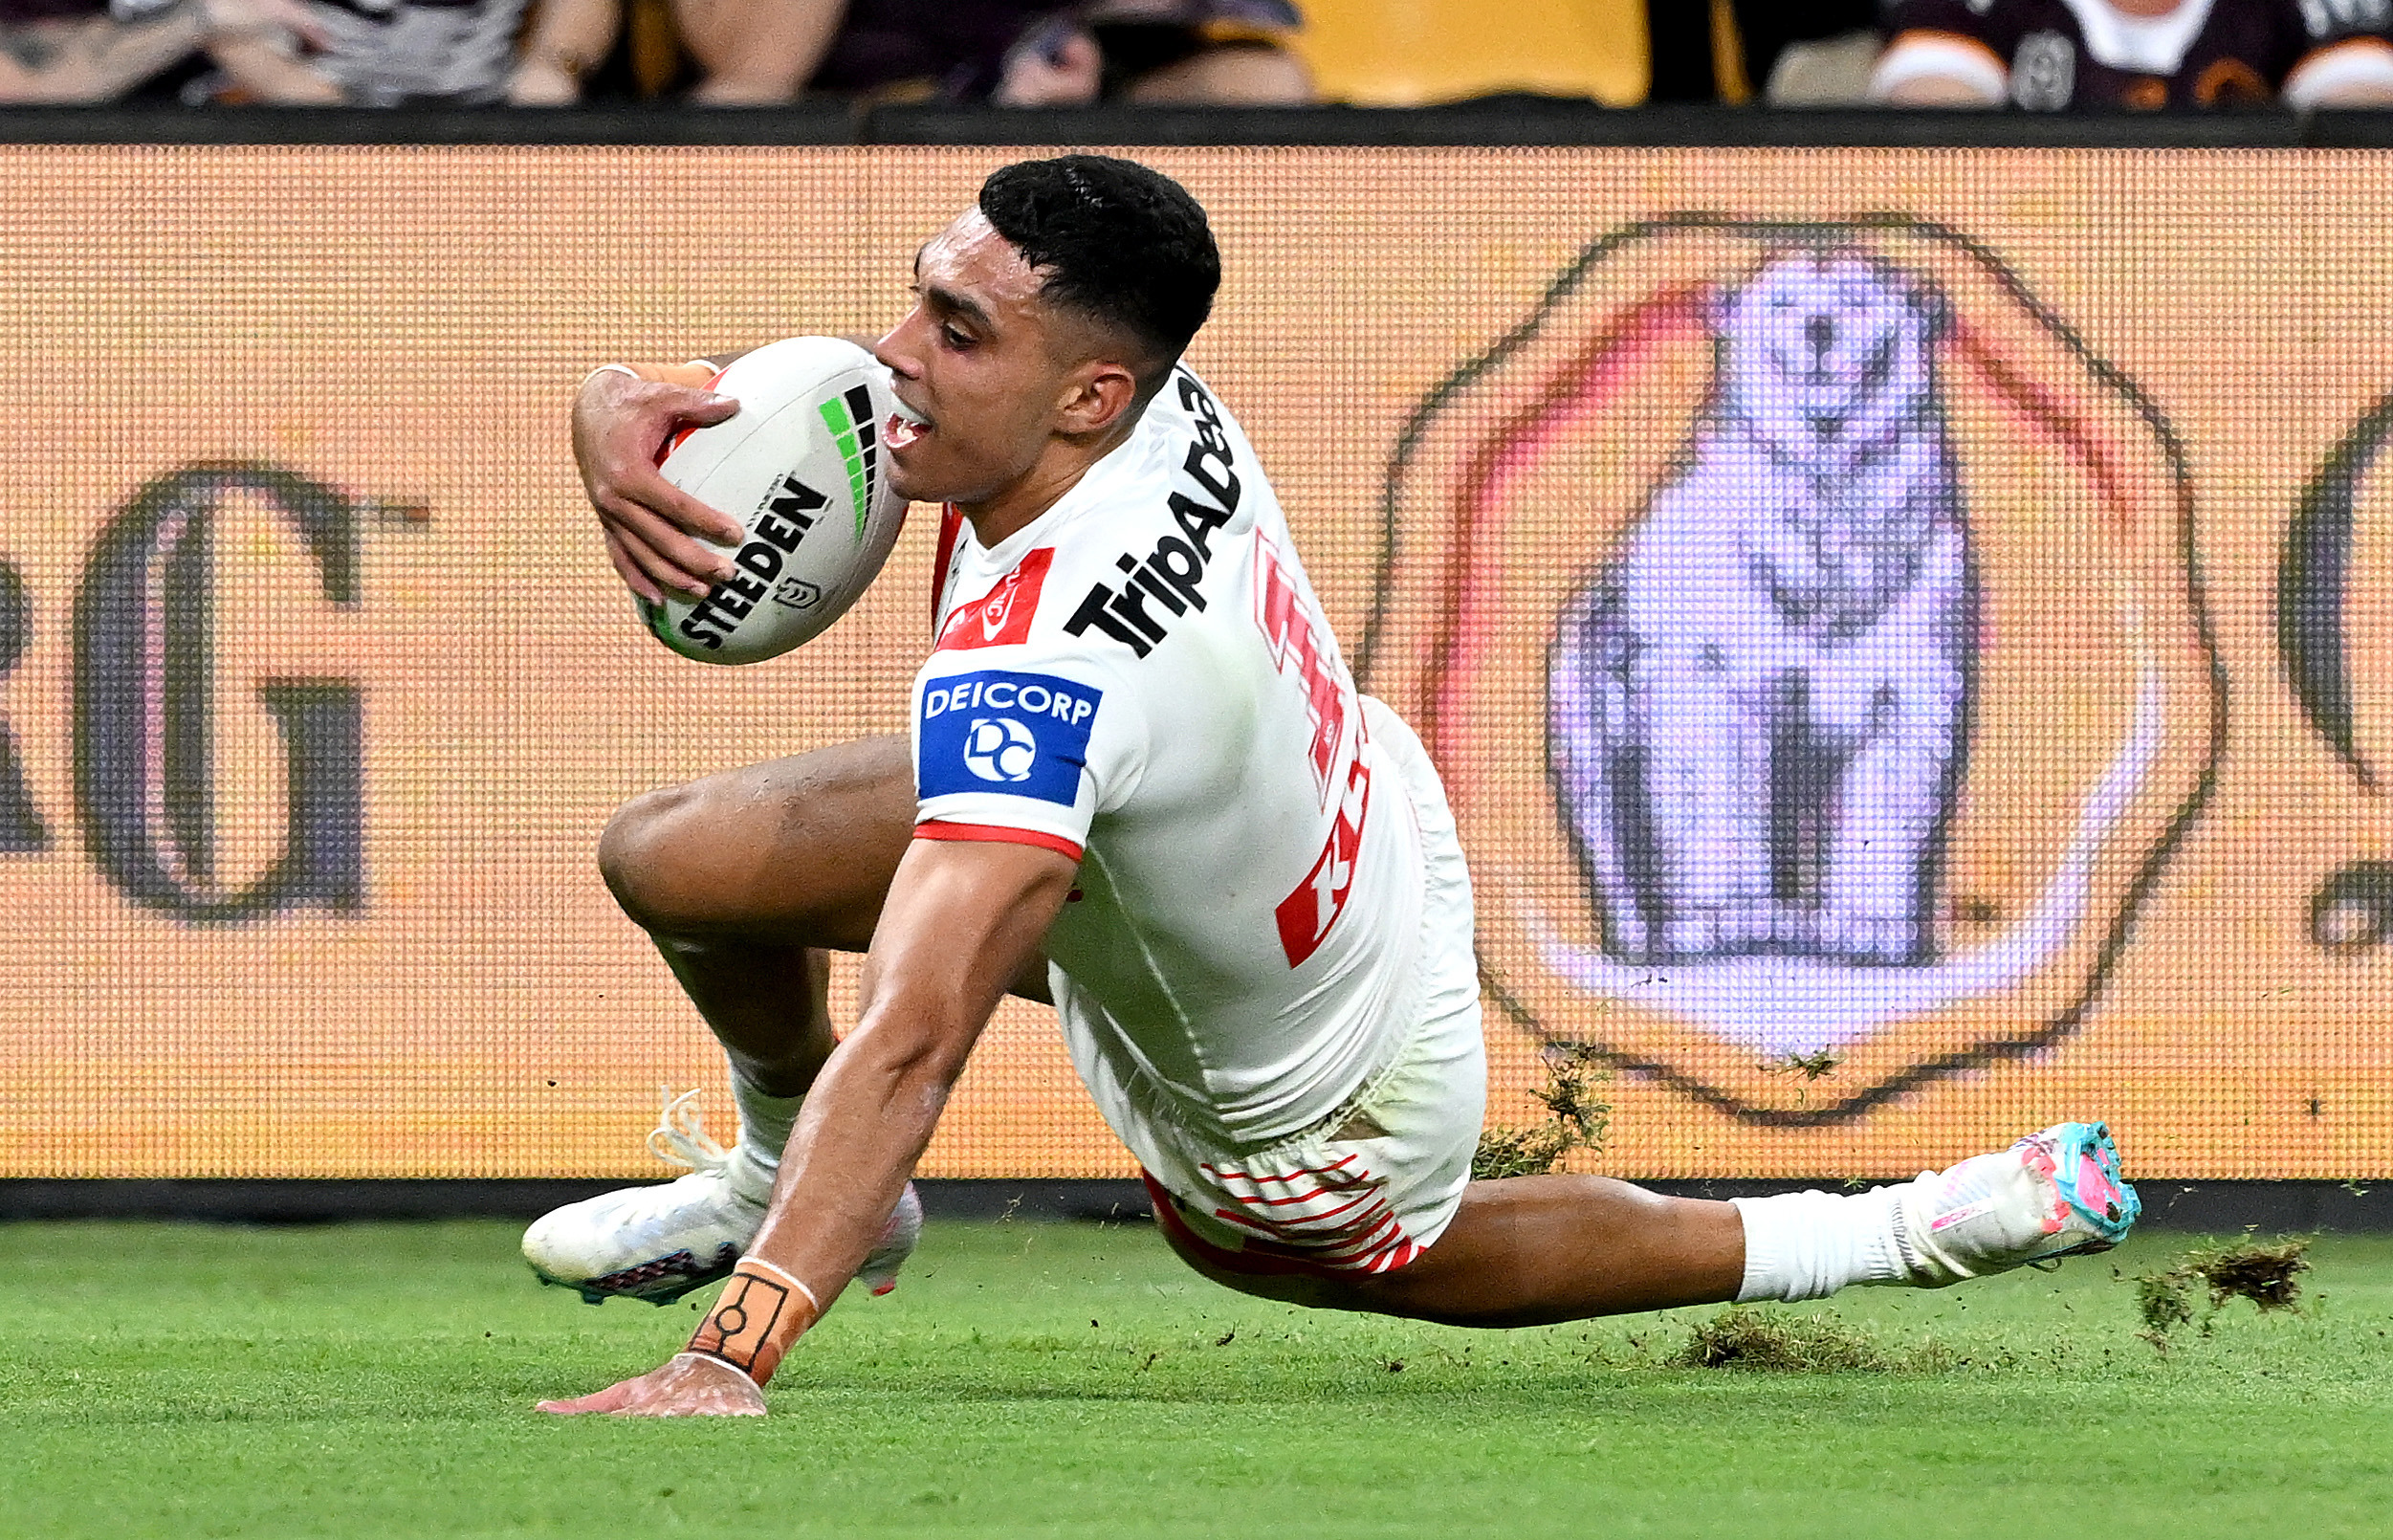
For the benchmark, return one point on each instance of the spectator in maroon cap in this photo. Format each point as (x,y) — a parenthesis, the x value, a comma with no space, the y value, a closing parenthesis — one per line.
(1013,52)
(2054,56)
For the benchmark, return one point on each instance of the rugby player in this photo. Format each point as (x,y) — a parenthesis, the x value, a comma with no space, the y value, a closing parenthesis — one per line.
(1141,785)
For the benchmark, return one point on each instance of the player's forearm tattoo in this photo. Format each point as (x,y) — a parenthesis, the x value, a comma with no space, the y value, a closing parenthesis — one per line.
(763,1312)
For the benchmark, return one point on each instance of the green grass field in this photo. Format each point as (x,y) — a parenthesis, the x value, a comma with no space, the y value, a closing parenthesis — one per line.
(1072,1381)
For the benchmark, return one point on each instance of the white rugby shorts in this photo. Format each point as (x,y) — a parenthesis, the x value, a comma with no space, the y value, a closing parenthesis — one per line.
(1373,1185)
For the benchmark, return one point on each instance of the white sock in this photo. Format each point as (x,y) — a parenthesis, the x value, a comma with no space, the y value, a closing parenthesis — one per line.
(764,1125)
(1808,1245)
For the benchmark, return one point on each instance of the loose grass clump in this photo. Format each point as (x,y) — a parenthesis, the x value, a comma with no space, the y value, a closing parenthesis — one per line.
(1578,1121)
(1776,1342)
(1769,1340)
(2265,1272)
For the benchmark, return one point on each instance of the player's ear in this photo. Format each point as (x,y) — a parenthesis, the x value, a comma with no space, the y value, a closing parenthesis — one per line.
(1097,396)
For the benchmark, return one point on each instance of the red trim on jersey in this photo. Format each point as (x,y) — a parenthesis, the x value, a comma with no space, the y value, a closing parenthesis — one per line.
(950,530)
(1000,617)
(940,829)
(1360,1200)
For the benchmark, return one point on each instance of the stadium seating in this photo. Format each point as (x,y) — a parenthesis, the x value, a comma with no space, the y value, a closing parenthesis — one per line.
(1415,52)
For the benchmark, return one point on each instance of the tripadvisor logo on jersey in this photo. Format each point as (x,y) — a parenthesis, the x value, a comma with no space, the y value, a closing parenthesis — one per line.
(145,707)
(1804,619)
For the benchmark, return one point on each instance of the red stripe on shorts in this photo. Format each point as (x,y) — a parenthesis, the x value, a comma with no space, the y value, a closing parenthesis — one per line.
(1309,1170)
(1273,1259)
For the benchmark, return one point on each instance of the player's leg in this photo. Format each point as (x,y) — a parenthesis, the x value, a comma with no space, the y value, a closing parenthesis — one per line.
(1526,1251)
(746,878)
(1541,1249)
(1373,1209)
(743,880)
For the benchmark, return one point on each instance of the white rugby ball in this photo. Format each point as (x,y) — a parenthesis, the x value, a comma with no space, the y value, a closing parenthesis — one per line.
(802,467)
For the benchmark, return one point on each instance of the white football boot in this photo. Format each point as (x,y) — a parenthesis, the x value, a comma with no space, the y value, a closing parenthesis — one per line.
(2051,1194)
(659,1243)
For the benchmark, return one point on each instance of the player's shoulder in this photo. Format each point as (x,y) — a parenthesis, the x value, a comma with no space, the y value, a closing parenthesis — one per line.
(1191,410)
(1129,557)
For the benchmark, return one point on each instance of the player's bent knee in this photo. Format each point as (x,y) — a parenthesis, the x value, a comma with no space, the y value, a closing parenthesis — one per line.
(644,855)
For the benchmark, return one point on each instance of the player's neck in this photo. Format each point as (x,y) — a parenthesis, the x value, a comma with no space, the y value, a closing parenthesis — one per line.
(1056,472)
(2144,9)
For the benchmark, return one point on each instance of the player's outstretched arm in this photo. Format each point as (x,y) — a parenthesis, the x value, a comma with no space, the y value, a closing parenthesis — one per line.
(621,423)
(961,921)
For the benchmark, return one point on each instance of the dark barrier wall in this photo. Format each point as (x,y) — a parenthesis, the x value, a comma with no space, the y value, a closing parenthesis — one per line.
(1903,627)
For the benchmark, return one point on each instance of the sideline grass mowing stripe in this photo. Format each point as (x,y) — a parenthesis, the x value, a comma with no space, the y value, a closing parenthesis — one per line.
(1073,1380)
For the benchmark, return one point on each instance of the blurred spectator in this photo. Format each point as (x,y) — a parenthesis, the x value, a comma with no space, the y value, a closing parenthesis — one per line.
(67,50)
(2054,56)
(1817,54)
(1015,53)
(1735,50)
(381,53)
(385,53)
(1422,53)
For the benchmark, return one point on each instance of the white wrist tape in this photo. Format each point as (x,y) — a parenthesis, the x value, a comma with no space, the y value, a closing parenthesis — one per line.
(715,1358)
(786,1277)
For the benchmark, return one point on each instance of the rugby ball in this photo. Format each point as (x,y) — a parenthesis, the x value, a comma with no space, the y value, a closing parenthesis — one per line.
(802,469)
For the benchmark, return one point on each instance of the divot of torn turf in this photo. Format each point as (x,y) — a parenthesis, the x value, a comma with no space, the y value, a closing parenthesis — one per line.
(1577,1120)
(2265,1272)
(1769,1340)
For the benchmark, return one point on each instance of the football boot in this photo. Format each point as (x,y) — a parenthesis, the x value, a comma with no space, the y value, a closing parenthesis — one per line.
(2054,1193)
(659,1241)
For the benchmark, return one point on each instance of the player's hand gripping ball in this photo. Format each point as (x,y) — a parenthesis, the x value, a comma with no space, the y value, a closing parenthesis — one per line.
(802,468)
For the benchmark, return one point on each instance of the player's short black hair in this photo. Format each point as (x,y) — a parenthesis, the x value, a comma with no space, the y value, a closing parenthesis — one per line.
(1120,244)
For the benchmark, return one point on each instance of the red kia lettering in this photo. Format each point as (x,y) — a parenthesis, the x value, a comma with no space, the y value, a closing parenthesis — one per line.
(1306,915)
(1295,647)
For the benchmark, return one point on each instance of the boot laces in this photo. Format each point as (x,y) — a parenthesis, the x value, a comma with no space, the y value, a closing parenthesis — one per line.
(680,1138)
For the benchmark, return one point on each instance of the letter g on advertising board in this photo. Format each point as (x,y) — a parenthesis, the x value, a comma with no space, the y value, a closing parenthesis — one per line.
(144,729)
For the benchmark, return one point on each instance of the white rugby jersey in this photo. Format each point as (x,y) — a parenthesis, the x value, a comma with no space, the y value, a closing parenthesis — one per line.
(1142,678)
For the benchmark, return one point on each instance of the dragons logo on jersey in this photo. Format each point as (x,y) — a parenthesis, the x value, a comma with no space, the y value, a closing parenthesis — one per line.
(1026,735)
(1803,621)
(1001,617)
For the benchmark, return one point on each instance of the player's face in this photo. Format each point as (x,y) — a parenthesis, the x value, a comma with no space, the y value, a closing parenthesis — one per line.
(978,361)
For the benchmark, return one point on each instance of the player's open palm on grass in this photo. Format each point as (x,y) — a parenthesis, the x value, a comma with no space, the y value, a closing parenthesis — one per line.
(686,1385)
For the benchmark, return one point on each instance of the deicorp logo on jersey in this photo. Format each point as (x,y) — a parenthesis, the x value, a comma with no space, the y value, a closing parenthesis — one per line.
(1023,735)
